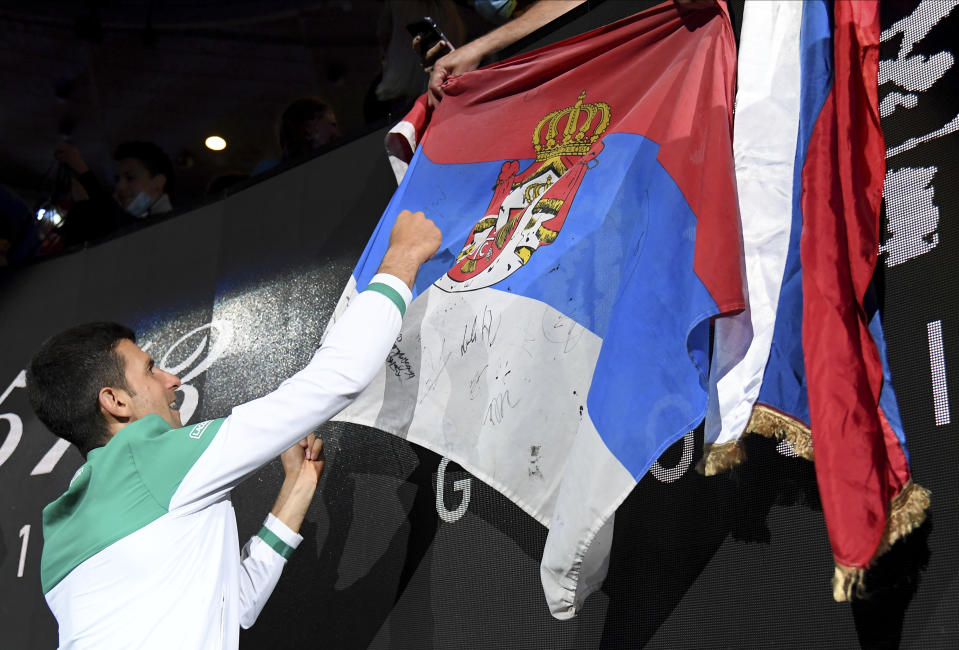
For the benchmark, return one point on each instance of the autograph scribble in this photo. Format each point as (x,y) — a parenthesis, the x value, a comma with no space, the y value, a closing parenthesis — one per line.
(474,382)
(496,410)
(562,329)
(434,377)
(488,329)
(399,364)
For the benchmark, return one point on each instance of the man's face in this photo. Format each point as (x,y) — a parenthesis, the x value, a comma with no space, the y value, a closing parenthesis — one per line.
(132,178)
(320,130)
(151,389)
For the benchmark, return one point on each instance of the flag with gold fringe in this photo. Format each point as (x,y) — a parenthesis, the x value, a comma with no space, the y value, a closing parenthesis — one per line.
(826,384)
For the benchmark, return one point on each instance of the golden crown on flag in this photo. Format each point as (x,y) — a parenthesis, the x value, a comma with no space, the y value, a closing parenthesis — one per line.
(579,119)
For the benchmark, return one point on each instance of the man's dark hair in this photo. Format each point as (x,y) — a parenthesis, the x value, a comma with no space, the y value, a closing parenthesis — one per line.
(65,377)
(295,115)
(153,158)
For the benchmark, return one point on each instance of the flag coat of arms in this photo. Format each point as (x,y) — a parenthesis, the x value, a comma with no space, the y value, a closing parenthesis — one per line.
(558,341)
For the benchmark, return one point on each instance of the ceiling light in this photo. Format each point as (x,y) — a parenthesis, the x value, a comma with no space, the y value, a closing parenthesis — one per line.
(216,143)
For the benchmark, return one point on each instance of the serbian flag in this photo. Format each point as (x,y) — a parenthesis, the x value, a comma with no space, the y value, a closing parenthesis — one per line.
(825,363)
(558,341)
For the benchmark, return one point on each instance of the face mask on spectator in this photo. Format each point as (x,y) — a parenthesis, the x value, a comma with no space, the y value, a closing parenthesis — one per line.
(495,11)
(140,204)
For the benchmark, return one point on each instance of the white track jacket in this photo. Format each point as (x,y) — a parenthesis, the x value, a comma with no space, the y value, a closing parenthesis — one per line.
(142,549)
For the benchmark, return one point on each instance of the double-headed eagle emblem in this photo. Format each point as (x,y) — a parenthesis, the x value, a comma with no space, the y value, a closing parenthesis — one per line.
(529,207)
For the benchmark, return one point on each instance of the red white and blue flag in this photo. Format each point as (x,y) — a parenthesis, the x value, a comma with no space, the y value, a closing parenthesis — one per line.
(809,353)
(558,341)
(861,465)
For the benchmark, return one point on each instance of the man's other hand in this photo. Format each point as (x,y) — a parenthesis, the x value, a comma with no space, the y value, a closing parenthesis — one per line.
(304,461)
(302,464)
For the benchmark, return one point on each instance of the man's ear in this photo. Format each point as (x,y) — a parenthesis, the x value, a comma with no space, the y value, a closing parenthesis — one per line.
(115,402)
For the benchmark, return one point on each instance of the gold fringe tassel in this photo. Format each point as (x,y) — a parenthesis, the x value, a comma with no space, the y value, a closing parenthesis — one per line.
(847,583)
(720,457)
(771,423)
(907,511)
(765,421)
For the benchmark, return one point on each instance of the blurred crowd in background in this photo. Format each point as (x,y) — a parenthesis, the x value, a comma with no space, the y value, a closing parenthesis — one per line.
(78,206)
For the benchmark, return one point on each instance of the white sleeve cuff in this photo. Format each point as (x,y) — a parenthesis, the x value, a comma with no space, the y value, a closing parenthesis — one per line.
(279,536)
(282,531)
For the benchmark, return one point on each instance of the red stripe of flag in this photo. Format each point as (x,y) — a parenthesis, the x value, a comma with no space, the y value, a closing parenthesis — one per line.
(858,470)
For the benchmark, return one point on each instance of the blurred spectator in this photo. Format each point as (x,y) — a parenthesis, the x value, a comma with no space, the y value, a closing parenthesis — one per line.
(18,229)
(403,79)
(493,11)
(144,178)
(497,11)
(307,124)
(144,175)
(522,21)
(468,57)
(224,182)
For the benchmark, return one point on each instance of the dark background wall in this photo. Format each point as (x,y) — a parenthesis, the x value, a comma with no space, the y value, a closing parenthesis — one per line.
(740,560)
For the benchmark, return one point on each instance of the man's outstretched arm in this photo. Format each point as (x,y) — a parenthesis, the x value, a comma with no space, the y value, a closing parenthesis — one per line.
(468,57)
(264,556)
(355,348)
